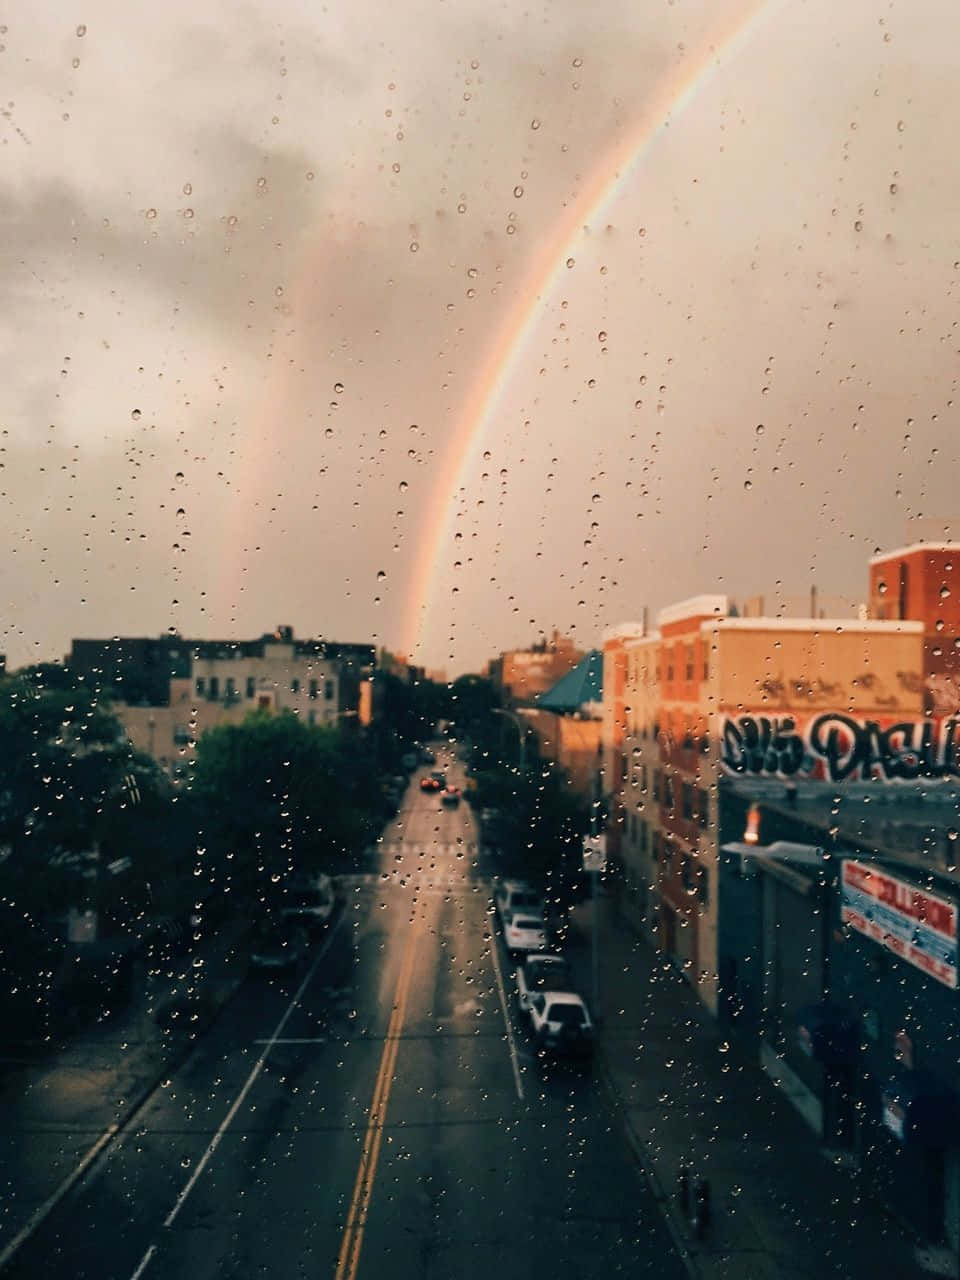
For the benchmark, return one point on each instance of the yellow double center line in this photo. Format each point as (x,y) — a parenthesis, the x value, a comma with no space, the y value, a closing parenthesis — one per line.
(349,1256)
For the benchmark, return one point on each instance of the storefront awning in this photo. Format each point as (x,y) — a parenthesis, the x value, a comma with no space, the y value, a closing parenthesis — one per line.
(919,1108)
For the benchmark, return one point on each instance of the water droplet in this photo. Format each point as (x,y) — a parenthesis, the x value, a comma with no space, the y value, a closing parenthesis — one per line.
(414,246)
(571,262)
(534,123)
(900,126)
(578,62)
(151,214)
(188,214)
(338,388)
(748,484)
(518,191)
(135,415)
(82,30)
(602,335)
(188,188)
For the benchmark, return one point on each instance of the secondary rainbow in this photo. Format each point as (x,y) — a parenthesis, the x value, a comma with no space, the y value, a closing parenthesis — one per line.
(511,339)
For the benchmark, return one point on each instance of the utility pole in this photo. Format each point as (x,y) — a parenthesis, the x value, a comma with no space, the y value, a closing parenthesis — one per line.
(521,733)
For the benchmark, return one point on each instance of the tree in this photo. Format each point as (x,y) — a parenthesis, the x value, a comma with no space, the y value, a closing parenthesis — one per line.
(67,774)
(277,796)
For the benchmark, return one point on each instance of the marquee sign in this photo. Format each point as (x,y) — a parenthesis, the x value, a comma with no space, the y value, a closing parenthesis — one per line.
(918,926)
(834,746)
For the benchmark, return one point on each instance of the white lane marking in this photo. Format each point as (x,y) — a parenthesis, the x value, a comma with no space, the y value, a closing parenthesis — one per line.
(251,1079)
(511,1041)
(144,1262)
(53,1200)
(295,1040)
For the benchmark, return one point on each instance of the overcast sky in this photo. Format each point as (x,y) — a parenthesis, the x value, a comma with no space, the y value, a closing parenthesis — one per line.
(262,262)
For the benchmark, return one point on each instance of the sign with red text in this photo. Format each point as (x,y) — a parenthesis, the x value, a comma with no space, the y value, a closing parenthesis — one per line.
(918,926)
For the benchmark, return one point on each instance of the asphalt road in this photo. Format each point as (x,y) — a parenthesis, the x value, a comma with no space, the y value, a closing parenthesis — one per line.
(372,1115)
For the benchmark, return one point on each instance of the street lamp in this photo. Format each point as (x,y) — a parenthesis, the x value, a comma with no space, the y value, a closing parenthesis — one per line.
(521,731)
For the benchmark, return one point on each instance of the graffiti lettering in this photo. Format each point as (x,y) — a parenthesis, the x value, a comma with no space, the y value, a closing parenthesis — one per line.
(762,744)
(835,746)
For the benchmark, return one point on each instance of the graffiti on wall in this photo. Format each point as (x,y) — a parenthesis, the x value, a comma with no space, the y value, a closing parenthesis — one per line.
(835,747)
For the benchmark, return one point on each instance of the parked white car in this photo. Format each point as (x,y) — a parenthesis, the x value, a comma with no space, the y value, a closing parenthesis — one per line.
(514,895)
(561,1023)
(524,932)
(541,973)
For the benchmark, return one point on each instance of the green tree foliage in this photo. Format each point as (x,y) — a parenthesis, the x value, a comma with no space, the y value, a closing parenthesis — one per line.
(69,780)
(407,712)
(277,796)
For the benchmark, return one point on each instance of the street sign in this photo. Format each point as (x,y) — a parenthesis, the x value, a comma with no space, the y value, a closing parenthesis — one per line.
(595,853)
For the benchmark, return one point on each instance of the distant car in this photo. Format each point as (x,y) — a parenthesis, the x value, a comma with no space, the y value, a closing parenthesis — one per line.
(281,945)
(451,797)
(512,895)
(524,932)
(429,783)
(439,777)
(309,900)
(541,973)
(561,1023)
(427,756)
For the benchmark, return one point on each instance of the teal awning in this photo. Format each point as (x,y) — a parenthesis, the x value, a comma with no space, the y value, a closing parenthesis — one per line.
(582,685)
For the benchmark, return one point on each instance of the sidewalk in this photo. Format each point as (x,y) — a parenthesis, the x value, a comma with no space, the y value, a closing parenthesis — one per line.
(60,1106)
(780,1209)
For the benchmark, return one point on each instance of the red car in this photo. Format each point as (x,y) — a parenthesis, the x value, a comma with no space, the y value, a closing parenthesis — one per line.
(432,782)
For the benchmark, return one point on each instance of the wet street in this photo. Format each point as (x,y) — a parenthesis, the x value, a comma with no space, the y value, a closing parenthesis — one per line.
(379,1112)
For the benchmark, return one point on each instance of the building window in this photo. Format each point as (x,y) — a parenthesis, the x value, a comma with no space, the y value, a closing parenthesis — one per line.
(703,887)
(214,688)
(688,874)
(295,685)
(643,835)
(643,778)
(703,807)
(231,687)
(328,690)
(690,662)
(686,800)
(251,686)
(201,686)
(656,784)
(669,669)
(311,717)
(668,791)
(706,663)
(314,688)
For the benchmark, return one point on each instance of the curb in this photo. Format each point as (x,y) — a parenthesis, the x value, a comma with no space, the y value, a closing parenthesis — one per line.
(663,1199)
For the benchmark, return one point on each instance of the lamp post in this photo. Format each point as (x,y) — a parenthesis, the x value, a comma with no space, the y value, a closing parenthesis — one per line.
(521,731)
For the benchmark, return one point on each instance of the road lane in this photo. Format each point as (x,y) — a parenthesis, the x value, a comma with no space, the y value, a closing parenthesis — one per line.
(466,1175)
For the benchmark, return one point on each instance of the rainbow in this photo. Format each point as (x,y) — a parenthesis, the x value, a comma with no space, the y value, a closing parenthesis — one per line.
(513,336)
